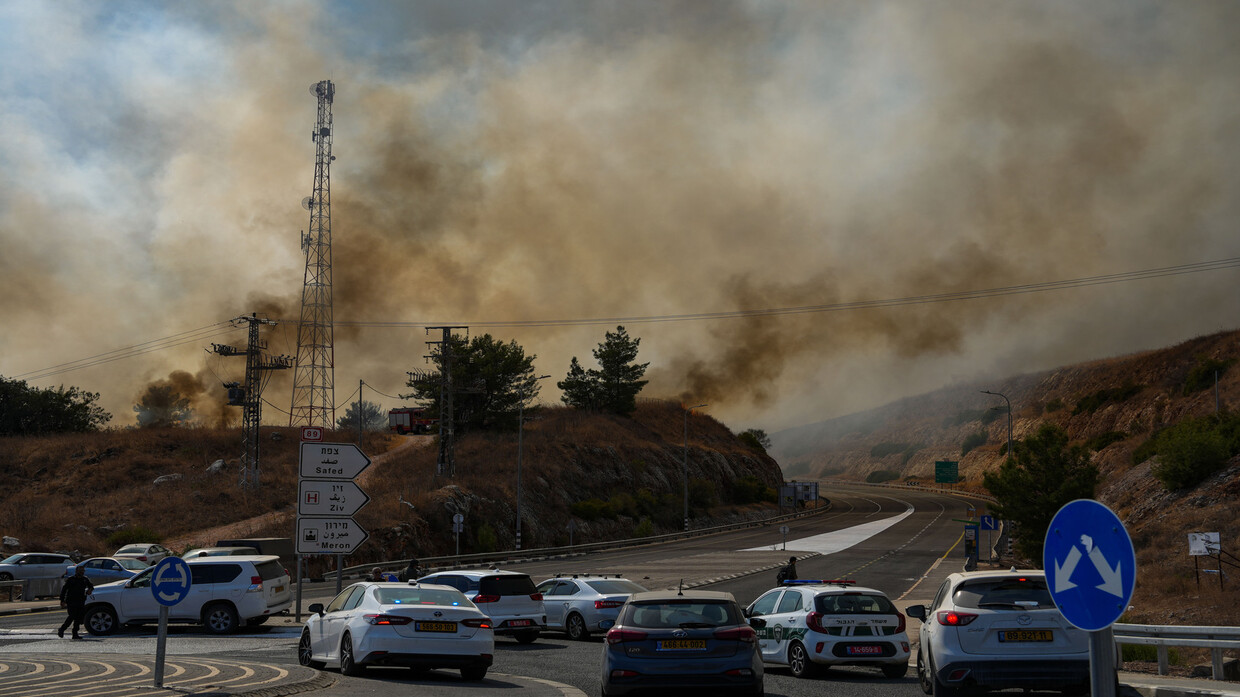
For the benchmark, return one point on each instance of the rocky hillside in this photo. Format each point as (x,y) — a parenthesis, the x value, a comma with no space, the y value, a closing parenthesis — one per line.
(1114,406)
(613,476)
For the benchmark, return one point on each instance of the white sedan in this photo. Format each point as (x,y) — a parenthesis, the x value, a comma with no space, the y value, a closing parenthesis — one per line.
(398,624)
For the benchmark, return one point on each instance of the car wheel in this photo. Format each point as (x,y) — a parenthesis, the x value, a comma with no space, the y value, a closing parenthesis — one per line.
(305,655)
(6,576)
(576,627)
(348,663)
(473,673)
(100,620)
(220,618)
(895,670)
(799,662)
(528,636)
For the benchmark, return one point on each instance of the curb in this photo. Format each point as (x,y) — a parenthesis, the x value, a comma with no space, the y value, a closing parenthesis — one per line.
(318,682)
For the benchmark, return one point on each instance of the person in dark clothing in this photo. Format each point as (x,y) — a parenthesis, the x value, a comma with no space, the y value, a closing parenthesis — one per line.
(787,573)
(411,572)
(73,596)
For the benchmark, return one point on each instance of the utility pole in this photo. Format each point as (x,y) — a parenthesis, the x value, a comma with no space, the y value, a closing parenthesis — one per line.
(686,462)
(314,391)
(520,438)
(250,397)
(446,462)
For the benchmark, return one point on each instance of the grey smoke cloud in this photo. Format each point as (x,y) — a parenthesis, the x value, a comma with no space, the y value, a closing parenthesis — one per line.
(504,161)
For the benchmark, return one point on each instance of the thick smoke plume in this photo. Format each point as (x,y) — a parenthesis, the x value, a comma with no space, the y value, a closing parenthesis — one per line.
(501,162)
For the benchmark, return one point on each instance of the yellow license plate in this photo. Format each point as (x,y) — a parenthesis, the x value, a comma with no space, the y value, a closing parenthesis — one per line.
(682,645)
(279,589)
(1026,635)
(434,626)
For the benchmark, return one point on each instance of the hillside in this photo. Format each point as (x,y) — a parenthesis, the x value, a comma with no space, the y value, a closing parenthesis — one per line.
(611,474)
(1112,405)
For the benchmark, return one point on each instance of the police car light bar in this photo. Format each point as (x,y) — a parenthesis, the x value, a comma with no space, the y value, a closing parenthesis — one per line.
(819,582)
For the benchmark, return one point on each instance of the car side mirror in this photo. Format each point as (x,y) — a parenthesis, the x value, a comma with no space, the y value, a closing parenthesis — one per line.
(757,623)
(916,612)
(317,608)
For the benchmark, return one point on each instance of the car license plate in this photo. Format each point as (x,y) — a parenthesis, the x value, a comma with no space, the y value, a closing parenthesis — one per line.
(518,623)
(864,650)
(434,626)
(682,645)
(279,589)
(1026,635)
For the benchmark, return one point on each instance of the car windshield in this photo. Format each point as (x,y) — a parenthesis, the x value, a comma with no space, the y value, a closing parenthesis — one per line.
(13,559)
(507,584)
(132,549)
(608,587)
(132,564)
(684,614)
(1013,593)
(854,604)
(412,595)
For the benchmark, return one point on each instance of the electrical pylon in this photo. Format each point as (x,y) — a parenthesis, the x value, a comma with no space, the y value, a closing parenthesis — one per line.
(314,392)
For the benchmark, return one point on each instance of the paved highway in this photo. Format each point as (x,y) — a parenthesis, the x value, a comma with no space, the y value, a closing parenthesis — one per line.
(904,534)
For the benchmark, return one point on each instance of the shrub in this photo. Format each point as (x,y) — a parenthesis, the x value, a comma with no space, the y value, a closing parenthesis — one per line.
(885,449)
(644,528)
(972,441)
(1141,652)
(880,476)
(1054,405)
(132,536)
(487,540)
(1091,403)
(1202,375)
(1189,455)
(965,416)
(748,489)
(592,509)
(910,451)
(1101,441)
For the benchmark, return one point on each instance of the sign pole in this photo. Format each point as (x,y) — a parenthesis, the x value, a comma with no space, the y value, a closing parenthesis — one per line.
(1102,676)
(161,639)
(339,572)
(297,567)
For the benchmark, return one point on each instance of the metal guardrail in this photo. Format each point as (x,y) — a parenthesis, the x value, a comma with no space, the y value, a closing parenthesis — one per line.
(509,556)
(12,591)
(907,487)
(1217,639)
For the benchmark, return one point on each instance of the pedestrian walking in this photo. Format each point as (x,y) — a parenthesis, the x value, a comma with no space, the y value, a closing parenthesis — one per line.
(411,572)
(73,597)
(787,573)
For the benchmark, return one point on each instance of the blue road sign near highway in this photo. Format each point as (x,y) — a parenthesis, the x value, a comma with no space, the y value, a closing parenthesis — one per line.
(989,522)
(1090,564)
(170,581)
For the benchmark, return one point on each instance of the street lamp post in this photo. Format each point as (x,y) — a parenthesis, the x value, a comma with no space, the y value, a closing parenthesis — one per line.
(1009,411)
(520,448)
(686,462)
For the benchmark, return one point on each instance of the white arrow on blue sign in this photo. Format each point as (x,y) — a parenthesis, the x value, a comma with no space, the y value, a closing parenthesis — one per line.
(1091,567)
(170,581)
(989,522)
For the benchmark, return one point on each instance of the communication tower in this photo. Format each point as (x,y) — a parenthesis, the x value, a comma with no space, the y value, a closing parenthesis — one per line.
(314,392)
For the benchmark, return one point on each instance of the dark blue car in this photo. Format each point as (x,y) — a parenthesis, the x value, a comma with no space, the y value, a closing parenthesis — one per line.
(682,640)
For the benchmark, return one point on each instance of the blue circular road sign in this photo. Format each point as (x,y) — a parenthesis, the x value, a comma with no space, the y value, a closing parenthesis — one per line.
(1091,567)
(170,581)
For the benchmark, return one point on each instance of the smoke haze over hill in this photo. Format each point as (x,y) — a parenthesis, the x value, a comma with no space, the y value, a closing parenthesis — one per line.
(510,162)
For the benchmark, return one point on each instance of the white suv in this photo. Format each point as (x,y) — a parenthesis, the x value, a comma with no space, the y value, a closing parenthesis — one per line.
(223,593)
(507,597)
(826,623)
(996,630)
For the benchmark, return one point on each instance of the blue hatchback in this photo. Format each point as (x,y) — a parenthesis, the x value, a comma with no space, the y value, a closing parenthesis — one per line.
(682,640)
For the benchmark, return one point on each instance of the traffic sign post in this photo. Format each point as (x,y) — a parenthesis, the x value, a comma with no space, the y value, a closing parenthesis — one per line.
(170,582)
(325,497)
(458,527)
(988,523)
(332,460)
(323,535)
(1091,571)
(783,530)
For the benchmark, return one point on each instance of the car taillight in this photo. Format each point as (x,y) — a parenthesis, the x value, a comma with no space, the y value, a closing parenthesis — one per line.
(900,627)
(256,584)
(607,604)
(951,618)
(142,558)
(814,621)
(618,635)
(744,634)
(478,623)
(535,596)
(387,619)
(485,598)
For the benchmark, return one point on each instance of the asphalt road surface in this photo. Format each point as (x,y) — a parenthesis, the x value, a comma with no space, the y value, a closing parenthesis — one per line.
(902,534)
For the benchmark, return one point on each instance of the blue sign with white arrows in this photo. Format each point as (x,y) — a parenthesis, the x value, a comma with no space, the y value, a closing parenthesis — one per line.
(170,581)
(1091,567)
(989,522)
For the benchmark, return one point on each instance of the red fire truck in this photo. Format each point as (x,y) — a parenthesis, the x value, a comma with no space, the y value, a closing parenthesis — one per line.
(411,420)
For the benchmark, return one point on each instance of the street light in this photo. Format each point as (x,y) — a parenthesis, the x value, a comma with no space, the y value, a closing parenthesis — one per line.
(686,462)
(1009,410)
(520,434)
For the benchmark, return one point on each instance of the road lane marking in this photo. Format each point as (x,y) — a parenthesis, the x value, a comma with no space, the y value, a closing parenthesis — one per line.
(840,540)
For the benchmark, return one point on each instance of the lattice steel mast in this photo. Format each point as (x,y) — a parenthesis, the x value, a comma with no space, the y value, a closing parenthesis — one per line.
(314,392)
(250,397)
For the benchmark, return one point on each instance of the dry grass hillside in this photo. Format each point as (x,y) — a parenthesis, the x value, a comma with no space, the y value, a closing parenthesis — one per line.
(1114,406)
(616,476)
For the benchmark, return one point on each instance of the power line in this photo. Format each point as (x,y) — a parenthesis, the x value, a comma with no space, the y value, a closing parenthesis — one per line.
(187,337)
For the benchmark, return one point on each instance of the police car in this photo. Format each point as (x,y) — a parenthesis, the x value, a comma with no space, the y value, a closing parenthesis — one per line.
(812,623)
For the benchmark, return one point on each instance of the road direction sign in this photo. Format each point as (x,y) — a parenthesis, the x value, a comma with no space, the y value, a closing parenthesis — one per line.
(946,471)
(332,460)
(1091,567)
(324,497)
(318,535)
(170,581)
(988,522)
(311,434)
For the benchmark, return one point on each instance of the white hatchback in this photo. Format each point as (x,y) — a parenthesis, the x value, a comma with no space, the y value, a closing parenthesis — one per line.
(420,626)
(995,630)
(508,597)
(224,592)
(825,623)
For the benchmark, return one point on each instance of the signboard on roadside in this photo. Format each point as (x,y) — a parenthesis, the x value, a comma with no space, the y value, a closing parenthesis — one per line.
(320,535)
(946,471)
(1203,544)
(332,460)
(324,497)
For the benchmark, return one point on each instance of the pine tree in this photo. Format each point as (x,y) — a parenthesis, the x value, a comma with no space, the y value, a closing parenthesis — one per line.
(614,385)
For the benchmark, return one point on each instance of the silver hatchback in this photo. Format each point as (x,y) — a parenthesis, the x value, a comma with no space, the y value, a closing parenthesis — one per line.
(582,604)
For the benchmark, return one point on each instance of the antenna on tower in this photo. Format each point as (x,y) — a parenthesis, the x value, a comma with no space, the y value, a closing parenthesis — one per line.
(314,398)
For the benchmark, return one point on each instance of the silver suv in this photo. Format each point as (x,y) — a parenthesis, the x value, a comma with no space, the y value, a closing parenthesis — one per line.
(584,603)
(224,592)
(507,597)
